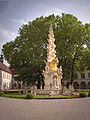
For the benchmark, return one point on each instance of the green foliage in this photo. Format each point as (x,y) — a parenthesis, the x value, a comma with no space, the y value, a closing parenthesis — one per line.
(13,92)
(28,51)
(71,36)
(15,96)
(39,97)
(76,90)
(83,94)
(1,93)
(29,96)
(82,90)
(88,94)
(55,97)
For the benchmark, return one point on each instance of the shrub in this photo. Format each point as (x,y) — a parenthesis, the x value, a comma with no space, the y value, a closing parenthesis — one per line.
(75,90)
(89,94)
(1,93)
(29,96)
(82,90)
(11,92)
(14,92)
(5,92)
(82,94)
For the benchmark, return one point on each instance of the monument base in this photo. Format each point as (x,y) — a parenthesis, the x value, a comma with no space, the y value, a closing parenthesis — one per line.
(48,92)
(68,91)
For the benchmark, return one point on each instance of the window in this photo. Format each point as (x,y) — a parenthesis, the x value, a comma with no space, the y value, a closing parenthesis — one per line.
(7,76)
(88,75)
(82,75)
(15,85)
(76,76)
(3,75)
(83,85)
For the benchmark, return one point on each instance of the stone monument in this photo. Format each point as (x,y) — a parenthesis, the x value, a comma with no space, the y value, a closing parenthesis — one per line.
(52,73)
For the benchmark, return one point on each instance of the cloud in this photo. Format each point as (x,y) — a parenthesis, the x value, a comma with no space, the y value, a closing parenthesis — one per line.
(55,11)
(40,4)
(21,21)
(6,36)
(3,5)
(6,33)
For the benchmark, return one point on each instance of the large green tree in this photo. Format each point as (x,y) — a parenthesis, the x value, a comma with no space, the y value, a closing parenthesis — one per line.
(28,51)
(71,37)
(26,54)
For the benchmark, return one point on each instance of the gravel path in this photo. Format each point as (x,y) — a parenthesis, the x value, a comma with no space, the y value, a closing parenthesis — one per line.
(62,109)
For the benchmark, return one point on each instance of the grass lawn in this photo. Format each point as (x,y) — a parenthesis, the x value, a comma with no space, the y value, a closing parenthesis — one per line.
(38,97)
(14,96)
(23,96)
(55,97)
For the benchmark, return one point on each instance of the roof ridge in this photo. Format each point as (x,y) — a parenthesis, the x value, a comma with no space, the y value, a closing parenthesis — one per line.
(5,68)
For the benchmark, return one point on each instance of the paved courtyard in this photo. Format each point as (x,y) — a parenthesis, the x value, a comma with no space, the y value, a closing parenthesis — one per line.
(62,109)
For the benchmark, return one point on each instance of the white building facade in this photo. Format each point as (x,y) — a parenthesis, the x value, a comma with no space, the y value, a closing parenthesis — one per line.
(5,77)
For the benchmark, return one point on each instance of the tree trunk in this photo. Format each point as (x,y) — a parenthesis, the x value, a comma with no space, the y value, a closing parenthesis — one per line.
(72,74)
(72,69)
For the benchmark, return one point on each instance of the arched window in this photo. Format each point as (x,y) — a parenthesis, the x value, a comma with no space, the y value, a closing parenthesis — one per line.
(88,75)
(88,85)
(82,75)
(75,76)
(68,84)
(15,85)
(76,85)
(83,85)
(19,85)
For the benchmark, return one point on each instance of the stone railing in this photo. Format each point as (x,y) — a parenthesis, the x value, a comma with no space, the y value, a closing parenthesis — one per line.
(47,92)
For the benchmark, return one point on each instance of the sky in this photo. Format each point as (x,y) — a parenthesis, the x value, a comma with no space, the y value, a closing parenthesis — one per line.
(15,13)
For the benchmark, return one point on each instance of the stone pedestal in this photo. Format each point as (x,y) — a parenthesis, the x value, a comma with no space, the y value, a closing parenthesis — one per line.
(52,81)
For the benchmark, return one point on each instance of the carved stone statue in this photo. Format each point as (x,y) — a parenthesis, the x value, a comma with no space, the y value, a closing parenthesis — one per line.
(52,73)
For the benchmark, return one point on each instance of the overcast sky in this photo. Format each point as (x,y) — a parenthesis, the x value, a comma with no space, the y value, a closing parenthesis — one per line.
(14,13)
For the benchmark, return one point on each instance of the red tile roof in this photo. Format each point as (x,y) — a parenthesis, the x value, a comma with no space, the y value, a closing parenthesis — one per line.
(5,68)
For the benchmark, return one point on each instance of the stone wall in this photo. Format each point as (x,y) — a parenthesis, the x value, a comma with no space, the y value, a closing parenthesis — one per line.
(81,81)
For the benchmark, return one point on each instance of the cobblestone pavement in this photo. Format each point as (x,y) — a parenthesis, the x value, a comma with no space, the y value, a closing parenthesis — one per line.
(62,109)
